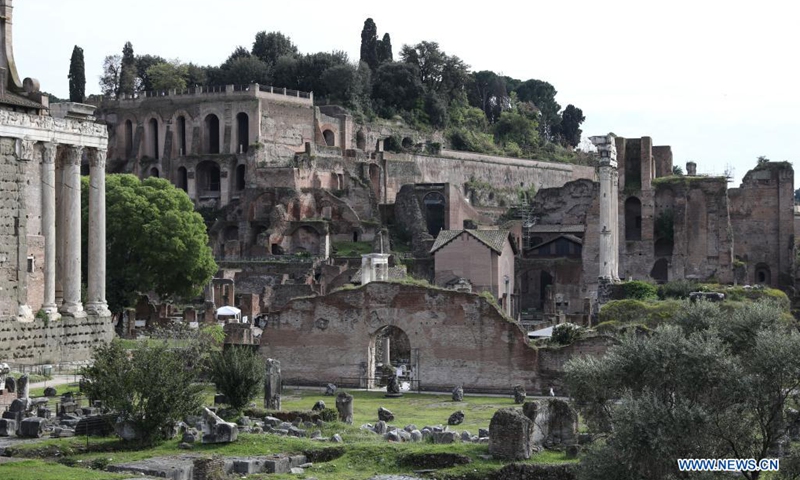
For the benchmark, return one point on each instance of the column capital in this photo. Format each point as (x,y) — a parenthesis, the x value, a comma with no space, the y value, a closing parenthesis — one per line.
(26,150)
(74,155)
(49,152)
(97,157)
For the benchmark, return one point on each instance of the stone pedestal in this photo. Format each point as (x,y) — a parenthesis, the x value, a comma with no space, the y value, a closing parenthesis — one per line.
(510,435)
(344,405)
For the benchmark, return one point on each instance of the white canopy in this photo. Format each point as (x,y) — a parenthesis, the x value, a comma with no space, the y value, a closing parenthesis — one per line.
(544,332)
(228,311)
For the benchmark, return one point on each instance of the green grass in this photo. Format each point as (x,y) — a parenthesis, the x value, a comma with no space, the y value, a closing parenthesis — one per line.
(41,470)
(351,249)
(366,453)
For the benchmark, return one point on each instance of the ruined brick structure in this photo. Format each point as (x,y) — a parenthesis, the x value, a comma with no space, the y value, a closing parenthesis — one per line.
(42,150)
(669,227)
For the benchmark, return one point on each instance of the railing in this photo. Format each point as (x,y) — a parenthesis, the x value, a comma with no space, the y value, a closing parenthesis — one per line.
(349,381)
(220,89)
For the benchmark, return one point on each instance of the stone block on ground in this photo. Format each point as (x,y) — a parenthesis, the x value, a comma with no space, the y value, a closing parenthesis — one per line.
(385,415)
(458,394)
(456,418)
(32,427)
(445,437)
(8,427)
(511,435)
(344,405)
(216,430)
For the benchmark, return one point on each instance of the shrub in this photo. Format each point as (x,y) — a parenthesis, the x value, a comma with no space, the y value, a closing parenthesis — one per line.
(238,373)
(639,290)
(153,389)
(565,334)
(677,289)
(635,311)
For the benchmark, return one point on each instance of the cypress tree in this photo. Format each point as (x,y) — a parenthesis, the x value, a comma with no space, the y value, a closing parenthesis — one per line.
(385,49)
(127,75)
(369,44)
(77,76)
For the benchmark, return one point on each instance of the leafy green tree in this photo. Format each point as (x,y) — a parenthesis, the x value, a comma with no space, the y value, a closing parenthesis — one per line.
(269,47)
(127,73)
(487,91)
(396,86)
(713,386)
(195,75)
(109,81)
(569,129)
(151,387)
(77,76)
(369,44)
(429,60)
(143,63)
(385,49)
(341,83)
(677,170)
(238,373)
(245,70)
(516,127)
(167,76)
(155,241)
(543,95)
(311,68)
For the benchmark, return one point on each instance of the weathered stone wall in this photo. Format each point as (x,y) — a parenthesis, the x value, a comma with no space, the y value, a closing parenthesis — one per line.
(466,256)
(553,359)
(762,219)
(460,338)
(12,222)
(40,341)
(457,168)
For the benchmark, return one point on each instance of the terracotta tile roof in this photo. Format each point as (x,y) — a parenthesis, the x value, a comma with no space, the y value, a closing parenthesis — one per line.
(557,229)
(494,239)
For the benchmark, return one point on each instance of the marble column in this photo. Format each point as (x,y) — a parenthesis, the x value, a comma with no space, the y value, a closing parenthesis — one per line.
(49,225)
(71,234)
(96,281)
(59,183)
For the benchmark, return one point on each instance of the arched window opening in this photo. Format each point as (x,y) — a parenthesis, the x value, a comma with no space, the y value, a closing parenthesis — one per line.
(434,212)
(182,136)
(633,219)
(361,140)
(243,131)
(183,179)
(240,177)
(330,139)
(208,178)
(153,124)
(154,172)
(763,274)
(355,235)
(128,138)
(407,143)
(211,140)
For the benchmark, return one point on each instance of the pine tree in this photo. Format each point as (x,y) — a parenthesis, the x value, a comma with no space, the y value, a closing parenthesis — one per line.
(385,49)
(77,76)
(127,75)
(369,44)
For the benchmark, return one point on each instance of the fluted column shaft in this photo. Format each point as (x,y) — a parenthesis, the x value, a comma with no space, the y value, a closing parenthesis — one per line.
(96,283)
(49,225)
(71,236)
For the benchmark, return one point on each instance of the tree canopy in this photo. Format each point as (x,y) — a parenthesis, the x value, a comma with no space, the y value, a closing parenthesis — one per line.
(712,385)
(155,241)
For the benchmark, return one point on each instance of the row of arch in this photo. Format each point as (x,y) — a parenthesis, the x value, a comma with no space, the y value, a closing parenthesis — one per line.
(208,176)
(154,145)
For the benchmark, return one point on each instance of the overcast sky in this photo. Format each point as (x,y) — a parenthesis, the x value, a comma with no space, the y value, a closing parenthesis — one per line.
(718,81)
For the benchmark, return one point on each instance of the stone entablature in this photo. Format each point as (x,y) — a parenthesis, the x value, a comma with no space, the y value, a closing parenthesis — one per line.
(65,131)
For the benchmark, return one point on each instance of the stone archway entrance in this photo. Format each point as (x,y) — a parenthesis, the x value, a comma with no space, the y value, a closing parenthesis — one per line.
(389,346)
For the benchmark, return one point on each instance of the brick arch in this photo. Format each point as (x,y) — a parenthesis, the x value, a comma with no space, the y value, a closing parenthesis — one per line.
(182,144)
(153,141)
(204,139)
(124,141)
(321,140)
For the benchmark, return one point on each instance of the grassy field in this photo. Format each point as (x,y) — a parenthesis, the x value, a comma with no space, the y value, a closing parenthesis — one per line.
(365,454)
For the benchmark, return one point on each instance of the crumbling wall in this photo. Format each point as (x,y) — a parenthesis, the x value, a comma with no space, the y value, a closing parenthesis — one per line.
(460,338)
(42,341)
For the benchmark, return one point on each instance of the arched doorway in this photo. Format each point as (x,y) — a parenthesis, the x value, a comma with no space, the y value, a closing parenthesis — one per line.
(763,275)
(243,131)
(208,179)
(633,219)
(240,170)
(434,212)
(330,138)
(545,281)
(183,179)
(152,127)
(660,271)
(211,140)
(154,172)
(182,136)
(128,138)
(389,348)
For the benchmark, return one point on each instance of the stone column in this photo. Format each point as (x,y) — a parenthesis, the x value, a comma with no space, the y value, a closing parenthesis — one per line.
(59,183)
(387,360)
(26,155)
(71,233)
(49,226)
(607,172)
(96,281)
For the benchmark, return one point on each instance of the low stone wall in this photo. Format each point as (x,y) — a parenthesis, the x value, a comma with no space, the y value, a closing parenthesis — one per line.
(64,340)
